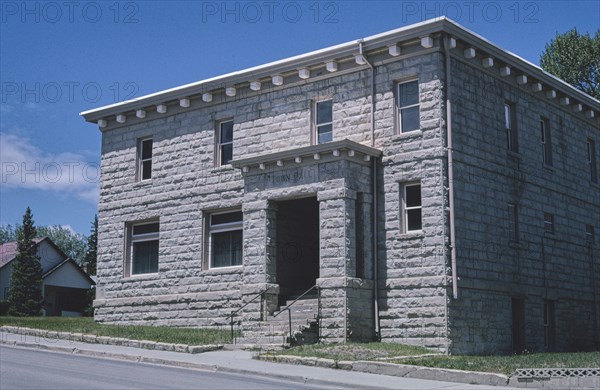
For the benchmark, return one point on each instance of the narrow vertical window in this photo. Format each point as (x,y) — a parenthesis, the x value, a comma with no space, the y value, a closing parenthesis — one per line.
(225,239)
(548,325)
(513,222)
(546,141)
(145,159)
(518,325)
(412,208)
(589,233)
(142,248)
(224,142)
(549,223)
(324,121)
(591,157)
(511,127)
(408,106)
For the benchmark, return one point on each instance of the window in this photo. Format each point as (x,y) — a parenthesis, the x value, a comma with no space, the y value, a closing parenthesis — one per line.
(591,152)
(510,124)
(224,142)
(589,233)
(408,106)
(145,159)
(513,222)
(143,248)
(359,234)
(324,121)
(412,208)
(225,239)
(518,325)
(546,141)
(548,325)
(549,223)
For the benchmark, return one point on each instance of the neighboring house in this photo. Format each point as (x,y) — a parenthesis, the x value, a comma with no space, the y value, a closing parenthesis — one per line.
(64,283)
(437,189)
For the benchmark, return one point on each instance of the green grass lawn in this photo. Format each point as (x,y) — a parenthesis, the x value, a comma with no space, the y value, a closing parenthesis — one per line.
(498,364)
(191,336)
(354,351)
(508,364)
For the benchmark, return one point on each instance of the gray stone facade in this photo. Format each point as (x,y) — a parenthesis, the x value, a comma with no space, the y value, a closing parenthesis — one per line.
(375,279)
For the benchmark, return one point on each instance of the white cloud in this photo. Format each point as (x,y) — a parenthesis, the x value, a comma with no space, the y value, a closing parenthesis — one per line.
(25,166)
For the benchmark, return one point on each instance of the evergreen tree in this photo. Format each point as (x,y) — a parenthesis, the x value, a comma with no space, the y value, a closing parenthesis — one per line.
(92,248)
(25,293)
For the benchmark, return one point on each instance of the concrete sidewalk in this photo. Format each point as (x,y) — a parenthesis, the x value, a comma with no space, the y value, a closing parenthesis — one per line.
(239,362)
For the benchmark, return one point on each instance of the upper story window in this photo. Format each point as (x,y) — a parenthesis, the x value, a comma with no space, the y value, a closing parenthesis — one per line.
(591,158)
(142,248)
(145,159)
(510,124)
(411,207)
(225,239)
(589,233)
(549,223)
(224,142)
(513,222)
(546,139)
(408,106)
(324,121)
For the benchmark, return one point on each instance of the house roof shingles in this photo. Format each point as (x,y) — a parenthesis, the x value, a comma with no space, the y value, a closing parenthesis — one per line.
(9,250)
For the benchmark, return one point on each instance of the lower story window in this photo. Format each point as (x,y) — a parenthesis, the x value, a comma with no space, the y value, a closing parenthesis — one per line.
(411,206)
(225,239)
(143,248)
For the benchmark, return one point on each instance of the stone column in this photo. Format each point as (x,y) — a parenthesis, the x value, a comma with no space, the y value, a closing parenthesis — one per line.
(259,261)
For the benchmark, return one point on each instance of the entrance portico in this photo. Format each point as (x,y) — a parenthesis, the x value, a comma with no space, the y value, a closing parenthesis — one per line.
(307,222)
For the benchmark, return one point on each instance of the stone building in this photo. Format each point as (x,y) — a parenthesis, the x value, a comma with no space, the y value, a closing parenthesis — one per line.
(435,188)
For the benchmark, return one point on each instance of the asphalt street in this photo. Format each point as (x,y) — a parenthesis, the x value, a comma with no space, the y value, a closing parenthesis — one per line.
(30,369)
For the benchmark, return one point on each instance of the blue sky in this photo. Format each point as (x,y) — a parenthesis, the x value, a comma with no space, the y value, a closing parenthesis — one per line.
(61,58)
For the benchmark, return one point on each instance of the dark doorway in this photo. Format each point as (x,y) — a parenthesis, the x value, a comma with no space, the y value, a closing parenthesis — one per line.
(518,325)
(297,245)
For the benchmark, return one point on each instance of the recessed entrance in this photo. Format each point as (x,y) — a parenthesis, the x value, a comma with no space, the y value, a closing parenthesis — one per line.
(297,245)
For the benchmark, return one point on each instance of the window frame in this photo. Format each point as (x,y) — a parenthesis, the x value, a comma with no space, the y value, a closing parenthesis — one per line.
(142,161)
(546,140)
(591,160)
(513,222)
(406,209)
(548,313)
(510,126)
(221,228)
(316,125)
(144,237)
(219,145)
(590,234)
(400,108)
(549,223)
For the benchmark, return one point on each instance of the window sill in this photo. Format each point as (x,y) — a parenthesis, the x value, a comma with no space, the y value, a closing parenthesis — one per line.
(513,155)
(408,135)
(148,276)
(235,269)
(548,168)
(412,234)
(143,183)
(222,168)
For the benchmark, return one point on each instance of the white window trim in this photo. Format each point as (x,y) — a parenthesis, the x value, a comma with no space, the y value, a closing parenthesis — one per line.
(316,125)
(399,109)
(405,208)
(546,142)
(592,160)
(140,170)
(549,222)
(219,144)
(140,238)
(225,227)
(510,125)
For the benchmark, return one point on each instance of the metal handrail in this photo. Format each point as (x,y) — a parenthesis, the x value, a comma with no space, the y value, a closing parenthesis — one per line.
(234,313)
(293,302)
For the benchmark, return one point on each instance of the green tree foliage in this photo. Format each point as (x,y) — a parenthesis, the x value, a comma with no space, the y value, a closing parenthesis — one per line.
(72,244)
(575,58)
(92,247)
(25,292)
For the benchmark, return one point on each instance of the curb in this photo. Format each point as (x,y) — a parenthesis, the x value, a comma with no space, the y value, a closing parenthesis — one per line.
(118,341)
(399,370)
(301,379)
